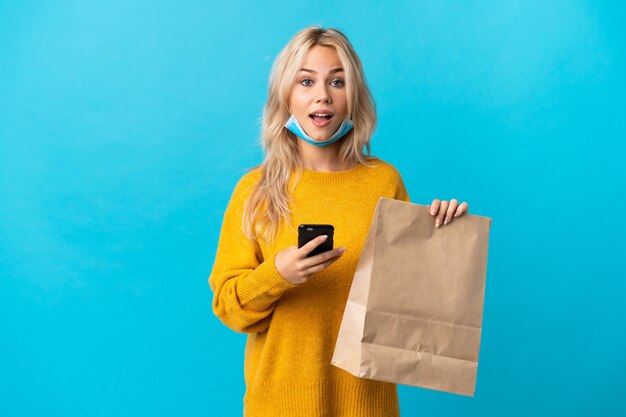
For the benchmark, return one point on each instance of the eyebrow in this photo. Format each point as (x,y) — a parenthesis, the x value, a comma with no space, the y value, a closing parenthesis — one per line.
(332,71)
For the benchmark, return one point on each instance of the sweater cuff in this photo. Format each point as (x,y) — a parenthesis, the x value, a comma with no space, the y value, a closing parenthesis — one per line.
(262,287)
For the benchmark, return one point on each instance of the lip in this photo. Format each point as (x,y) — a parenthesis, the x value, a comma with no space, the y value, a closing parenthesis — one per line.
(321,123)
(326,111)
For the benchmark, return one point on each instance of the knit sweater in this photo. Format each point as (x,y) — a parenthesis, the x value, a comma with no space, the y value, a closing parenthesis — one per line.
(292,329)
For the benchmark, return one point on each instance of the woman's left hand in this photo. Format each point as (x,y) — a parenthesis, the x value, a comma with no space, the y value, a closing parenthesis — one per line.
(444,211)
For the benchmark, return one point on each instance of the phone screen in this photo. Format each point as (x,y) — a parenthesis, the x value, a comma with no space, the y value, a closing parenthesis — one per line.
(308,232)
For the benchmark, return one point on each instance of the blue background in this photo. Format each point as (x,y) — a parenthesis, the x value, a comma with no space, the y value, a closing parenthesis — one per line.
(124,127)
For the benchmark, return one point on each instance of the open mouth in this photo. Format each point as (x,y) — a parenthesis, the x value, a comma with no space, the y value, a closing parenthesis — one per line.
(321,119)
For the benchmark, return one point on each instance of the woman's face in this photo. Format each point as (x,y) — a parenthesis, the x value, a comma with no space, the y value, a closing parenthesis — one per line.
(319,89)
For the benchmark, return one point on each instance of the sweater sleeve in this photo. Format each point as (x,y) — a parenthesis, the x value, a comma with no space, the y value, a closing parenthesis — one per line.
(245,286)
(401,192)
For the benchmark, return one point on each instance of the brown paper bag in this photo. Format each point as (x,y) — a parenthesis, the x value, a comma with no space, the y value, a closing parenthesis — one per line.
(414,312)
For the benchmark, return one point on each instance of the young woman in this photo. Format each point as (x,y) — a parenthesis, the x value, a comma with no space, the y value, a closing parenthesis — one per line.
(318,118)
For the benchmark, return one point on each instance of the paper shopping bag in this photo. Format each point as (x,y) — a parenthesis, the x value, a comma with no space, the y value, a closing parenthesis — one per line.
(414,311)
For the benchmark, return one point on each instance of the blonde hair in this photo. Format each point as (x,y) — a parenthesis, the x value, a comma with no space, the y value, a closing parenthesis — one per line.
(268,203)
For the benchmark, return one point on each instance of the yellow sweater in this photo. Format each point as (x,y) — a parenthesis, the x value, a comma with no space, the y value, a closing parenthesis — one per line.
(292,329)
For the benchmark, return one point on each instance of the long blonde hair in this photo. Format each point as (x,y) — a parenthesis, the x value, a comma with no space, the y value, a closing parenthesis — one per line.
(268,203)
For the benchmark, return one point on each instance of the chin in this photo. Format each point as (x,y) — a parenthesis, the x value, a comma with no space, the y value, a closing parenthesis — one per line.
(322,134)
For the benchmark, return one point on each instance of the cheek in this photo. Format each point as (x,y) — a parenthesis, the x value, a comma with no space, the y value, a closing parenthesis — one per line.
(341,105)
(298,102)
(340,98)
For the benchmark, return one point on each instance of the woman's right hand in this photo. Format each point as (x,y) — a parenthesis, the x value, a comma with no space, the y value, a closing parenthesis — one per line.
(294,266)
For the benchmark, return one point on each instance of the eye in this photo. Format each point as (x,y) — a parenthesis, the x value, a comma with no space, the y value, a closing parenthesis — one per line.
(337,82)
(304,82)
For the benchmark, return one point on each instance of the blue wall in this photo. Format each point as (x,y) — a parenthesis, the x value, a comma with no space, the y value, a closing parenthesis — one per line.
(124,127)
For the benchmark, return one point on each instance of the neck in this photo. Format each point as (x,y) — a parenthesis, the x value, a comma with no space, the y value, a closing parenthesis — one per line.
(322,158)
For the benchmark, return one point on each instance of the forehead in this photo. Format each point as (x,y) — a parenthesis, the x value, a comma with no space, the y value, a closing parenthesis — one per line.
(321,58)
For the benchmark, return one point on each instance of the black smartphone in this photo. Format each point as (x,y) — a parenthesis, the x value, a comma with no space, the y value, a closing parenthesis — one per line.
(308,232)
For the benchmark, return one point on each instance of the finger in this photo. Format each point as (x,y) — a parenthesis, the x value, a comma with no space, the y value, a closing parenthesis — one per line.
(451,209)
(312,244)
(442,212)
(322,257)
(434,207)
(463,207)
(319,267)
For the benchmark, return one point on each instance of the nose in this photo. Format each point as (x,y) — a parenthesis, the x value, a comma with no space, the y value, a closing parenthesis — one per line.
(322,94)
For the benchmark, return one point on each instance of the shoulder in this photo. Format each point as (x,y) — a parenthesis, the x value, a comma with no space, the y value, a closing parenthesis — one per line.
(383,170)
(250,178)
(246,183)
(386,178)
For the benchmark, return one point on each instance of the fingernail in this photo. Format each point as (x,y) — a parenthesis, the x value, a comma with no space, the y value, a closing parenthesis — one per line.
(324,237)
(342,250)
(432,212)
(457,214)
(437,223)
(446,221)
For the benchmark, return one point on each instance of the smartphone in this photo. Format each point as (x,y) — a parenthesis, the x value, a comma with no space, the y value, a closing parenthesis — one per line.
(308,232)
